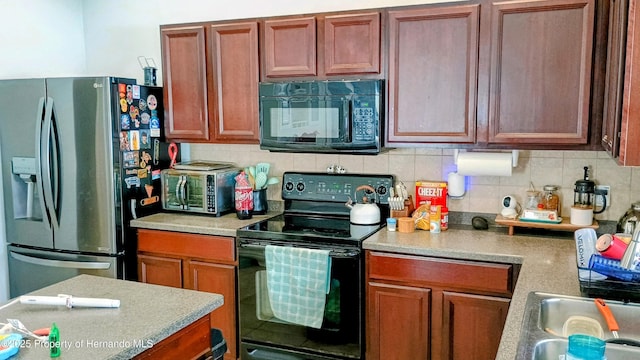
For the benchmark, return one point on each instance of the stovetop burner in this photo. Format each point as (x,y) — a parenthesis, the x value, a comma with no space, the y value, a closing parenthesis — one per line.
(299,228)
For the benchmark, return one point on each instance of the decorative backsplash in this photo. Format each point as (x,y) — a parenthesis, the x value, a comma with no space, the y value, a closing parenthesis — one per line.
(484,193)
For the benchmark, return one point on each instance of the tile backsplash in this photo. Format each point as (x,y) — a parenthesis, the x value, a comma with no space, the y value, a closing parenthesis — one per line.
(484,193)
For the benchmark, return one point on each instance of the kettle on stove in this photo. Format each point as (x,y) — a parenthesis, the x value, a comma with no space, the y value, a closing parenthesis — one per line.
(628,222)
(365,213)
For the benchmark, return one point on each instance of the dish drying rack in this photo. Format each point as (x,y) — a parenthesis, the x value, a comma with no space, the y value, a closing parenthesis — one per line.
(592,285)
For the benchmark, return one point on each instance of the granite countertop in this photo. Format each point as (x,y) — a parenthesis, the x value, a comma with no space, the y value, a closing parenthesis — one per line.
(147,315)
(548,264)
(224,225)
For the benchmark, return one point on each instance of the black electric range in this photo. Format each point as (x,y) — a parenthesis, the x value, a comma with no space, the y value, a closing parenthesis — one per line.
(315,217)
(315,210)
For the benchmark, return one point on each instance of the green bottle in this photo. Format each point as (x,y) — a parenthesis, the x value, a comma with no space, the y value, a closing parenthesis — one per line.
(54,341)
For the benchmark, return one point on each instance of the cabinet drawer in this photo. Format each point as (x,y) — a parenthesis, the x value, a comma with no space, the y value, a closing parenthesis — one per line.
(212,248)
(439,272)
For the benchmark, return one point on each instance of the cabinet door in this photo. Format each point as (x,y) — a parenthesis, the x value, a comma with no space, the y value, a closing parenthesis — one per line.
(433,69)
(471,324)
(290,47)
(184,71)
(233,97)
(630,127)
(160,270)
(398,322)
(540,76)
(616,46)
(220,279)
(351,44)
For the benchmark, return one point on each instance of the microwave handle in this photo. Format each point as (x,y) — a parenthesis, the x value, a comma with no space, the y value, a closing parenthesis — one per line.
(349,122)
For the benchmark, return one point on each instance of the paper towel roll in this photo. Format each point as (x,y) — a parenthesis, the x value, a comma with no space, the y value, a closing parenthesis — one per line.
(484,164)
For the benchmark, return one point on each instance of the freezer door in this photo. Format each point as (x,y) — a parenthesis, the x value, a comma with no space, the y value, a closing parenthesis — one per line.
(81,111)
(31,269)
(21,111)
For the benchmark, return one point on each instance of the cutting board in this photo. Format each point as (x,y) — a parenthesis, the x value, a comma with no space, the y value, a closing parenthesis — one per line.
(565,225)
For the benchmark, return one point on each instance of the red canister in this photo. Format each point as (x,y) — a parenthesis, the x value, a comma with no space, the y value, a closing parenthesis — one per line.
(611,246)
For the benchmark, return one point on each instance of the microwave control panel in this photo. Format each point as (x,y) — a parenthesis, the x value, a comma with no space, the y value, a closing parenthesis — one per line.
(364,121)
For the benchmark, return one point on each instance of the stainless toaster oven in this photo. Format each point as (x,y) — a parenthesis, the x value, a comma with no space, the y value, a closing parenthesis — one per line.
(207,190)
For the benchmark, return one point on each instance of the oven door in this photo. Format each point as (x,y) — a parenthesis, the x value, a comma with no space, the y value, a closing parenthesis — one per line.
(264,336)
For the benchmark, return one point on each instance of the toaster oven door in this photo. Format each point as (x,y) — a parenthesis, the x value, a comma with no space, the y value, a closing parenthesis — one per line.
(186,192)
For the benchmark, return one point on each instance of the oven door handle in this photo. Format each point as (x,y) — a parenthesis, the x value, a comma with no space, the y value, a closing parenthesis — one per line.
(334,253)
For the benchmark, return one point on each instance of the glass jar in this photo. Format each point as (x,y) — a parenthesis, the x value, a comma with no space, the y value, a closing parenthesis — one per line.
(550,198)
(533,199)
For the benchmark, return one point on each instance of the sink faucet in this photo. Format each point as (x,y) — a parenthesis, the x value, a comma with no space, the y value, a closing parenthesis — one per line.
(632,252)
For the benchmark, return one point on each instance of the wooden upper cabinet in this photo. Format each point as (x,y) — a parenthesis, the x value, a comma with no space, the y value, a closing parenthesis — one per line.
(322,46)
(616,46)
(351,43)
(433,69)
(185,82)
(540,71)
(233,82)
(629,154)
(211,75)
(621,123)
(290,47)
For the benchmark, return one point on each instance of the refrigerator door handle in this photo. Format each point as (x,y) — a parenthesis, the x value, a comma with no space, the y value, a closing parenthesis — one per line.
(38,152)
(48,163)
(132,208)
(86,265)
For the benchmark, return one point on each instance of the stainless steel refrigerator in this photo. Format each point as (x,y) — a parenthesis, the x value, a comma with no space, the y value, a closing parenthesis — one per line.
(81,157)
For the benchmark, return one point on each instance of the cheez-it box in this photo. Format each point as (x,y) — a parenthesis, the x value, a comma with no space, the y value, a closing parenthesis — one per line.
(431,192)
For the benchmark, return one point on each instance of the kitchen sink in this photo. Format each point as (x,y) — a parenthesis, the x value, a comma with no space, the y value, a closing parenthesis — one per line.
(555,310)
(551,349)
(542,337)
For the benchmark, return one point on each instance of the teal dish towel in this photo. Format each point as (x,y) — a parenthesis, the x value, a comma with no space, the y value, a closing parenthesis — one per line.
(298,283)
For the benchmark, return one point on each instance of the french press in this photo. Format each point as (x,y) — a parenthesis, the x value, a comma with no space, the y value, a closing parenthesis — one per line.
(584,194)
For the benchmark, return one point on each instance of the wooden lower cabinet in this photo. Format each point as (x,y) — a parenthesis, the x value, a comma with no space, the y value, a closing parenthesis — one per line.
(431,308)
(192,342)
(397,322)
(198,262)
(472,324)
(160,270)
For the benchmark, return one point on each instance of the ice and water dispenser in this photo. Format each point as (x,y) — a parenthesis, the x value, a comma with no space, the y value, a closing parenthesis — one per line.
(25,193)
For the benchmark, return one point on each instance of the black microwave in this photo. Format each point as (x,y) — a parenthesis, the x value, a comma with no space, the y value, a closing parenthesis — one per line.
(322,116)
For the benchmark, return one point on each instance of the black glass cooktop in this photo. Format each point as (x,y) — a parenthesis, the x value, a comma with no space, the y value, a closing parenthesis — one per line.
(304,228)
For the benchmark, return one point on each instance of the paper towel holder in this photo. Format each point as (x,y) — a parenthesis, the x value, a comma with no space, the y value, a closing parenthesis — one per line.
(515,155)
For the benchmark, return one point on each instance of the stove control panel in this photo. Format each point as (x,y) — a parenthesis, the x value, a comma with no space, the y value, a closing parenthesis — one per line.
(334,187)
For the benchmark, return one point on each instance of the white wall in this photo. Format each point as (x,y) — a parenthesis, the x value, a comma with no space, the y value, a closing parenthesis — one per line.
(41,38)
